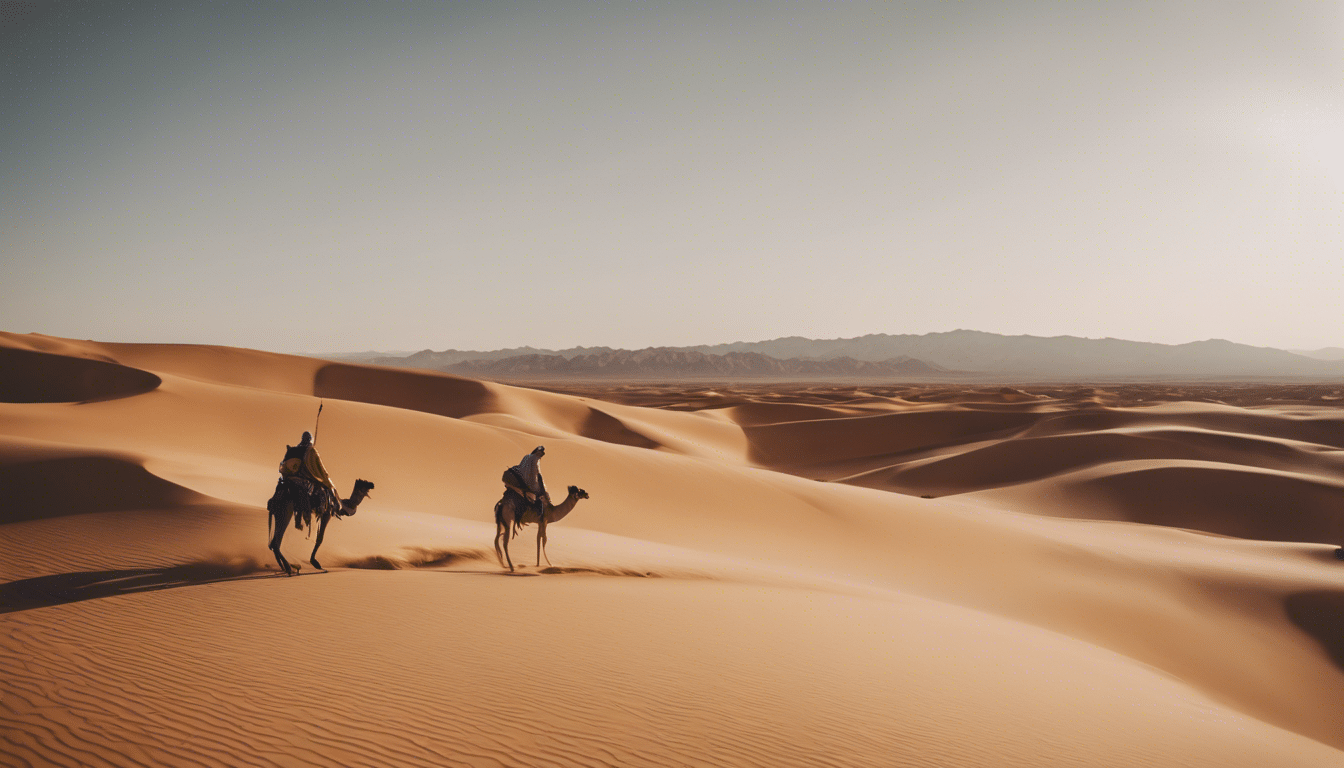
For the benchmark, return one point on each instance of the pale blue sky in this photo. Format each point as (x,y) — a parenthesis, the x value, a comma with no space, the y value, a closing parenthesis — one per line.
(329,176)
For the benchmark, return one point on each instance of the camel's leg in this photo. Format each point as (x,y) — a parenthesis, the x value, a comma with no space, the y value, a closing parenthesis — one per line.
(504,517)
(501,534)
(506,549)
(541,541)
(282,519)
(498,531)
(321,531)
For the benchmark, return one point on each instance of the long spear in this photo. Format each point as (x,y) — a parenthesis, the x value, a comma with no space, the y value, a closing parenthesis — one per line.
(318,422)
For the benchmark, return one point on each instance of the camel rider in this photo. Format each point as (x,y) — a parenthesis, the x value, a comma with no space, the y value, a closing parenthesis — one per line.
(526,481)
(302,467)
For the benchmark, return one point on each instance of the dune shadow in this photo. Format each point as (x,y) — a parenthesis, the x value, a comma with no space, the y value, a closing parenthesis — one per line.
(62,588)
(76,485)
(600,425)
(43,377)
(876,438)
(1320,614)
(433,392)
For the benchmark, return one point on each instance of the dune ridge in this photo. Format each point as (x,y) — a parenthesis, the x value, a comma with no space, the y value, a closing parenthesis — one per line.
(754,581)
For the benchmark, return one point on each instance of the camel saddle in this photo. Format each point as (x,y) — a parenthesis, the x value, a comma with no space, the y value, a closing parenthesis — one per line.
(512,482)
(307,496)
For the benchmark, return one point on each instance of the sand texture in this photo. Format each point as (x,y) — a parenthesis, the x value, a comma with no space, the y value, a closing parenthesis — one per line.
(761,576)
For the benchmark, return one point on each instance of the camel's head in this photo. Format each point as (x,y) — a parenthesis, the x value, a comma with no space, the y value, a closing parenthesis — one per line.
(575,490)
(362,488)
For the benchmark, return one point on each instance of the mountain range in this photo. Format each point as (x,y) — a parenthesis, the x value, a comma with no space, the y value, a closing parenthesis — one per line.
(948,355)
(665,362)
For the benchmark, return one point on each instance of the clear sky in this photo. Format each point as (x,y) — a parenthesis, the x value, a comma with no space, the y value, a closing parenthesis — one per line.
(330,176)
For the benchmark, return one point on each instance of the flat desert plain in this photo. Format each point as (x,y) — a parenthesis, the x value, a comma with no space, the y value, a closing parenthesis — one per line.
(761,576)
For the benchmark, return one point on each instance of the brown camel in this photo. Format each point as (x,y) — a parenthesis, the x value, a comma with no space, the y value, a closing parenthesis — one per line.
(512,513)
(282,509)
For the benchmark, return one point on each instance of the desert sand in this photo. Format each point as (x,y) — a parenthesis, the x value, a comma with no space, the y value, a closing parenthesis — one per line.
(763,576)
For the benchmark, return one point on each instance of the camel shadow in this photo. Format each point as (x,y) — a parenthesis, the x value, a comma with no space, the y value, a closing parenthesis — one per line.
(62,588)
(555,570)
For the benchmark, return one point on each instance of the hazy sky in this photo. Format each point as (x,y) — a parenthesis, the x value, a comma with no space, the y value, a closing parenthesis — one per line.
(324,176)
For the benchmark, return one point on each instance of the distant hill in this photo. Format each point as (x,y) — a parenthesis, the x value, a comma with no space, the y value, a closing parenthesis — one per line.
(1324,353)
(954,354)
(667,362)
(428,358)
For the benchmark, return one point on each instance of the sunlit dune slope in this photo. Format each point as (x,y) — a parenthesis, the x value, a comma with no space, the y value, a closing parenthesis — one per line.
(711,603)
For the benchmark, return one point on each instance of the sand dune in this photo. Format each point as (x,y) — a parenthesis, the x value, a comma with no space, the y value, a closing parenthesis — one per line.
(990,464)
(1098,583)
(1204,496)
(797,445)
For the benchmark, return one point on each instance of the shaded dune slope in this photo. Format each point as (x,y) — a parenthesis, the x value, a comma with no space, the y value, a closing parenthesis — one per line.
(1322,426)
(800,445)
(74,486)
(42,480)
(28,376)
(1320,613)
(439,394)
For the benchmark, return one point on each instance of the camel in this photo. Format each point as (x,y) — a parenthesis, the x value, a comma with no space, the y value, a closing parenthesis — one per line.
(512,513)
(282,510)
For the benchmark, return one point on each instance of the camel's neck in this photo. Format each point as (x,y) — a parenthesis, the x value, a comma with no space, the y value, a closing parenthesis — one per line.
(557,513)
(353,502)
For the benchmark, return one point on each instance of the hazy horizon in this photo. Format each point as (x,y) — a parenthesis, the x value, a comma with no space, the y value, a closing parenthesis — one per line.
(334,177)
